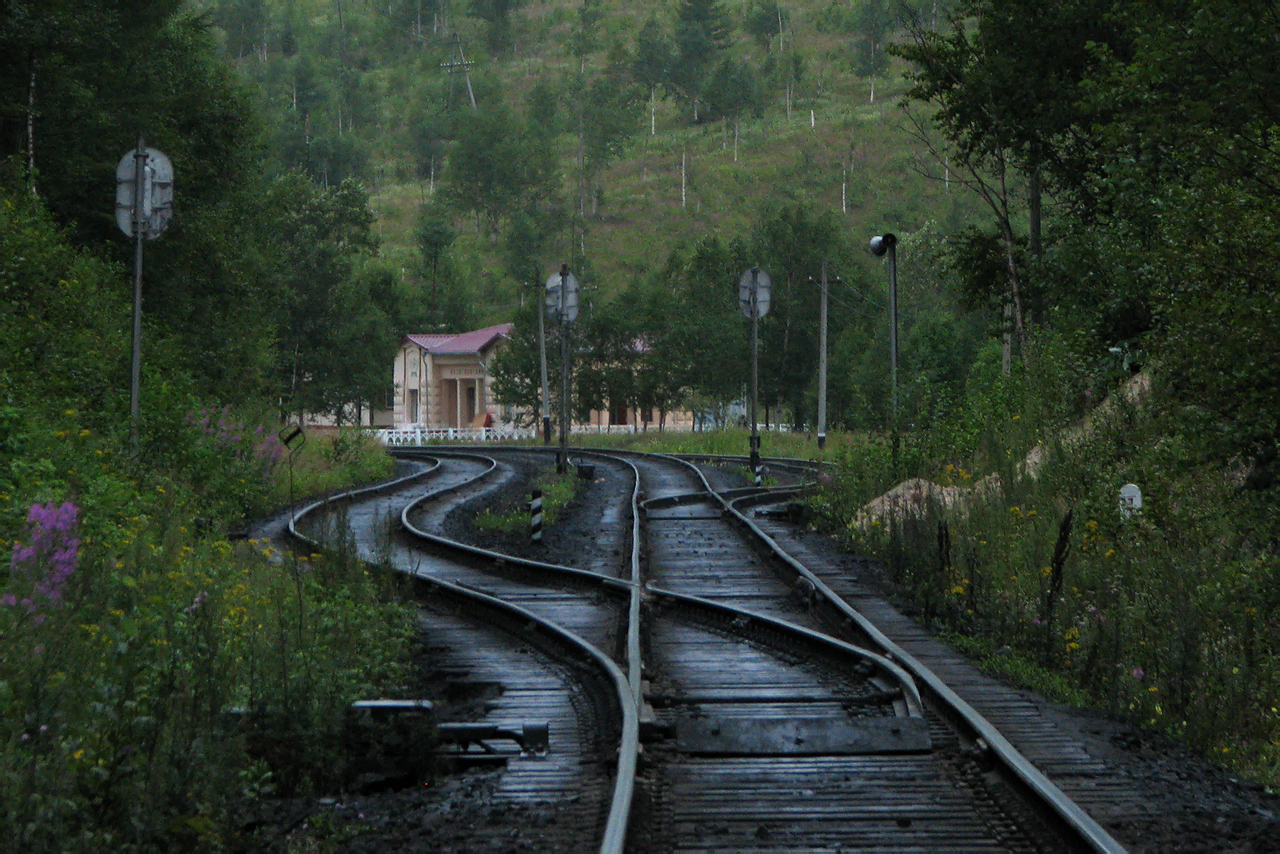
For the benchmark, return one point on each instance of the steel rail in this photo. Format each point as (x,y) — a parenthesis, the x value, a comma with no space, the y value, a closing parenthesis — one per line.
(347,495)
(636,589)
(635,592)
(635,665)
(910,693)
(1071,817)
(615,834)
(1080,823)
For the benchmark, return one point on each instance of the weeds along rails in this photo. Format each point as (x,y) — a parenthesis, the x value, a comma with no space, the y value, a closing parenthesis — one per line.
(766,733)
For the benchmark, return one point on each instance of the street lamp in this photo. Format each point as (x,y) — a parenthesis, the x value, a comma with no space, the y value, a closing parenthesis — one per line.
(881,245)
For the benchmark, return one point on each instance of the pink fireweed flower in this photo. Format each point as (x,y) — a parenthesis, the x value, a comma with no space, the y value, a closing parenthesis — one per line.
(50,556)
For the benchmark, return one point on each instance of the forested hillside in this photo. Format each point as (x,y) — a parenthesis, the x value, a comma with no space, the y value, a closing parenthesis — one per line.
(656,148)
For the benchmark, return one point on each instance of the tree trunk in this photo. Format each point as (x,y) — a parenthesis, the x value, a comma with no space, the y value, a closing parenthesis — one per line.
(31,123)
(1034,192)
(682,180)
(1015,286)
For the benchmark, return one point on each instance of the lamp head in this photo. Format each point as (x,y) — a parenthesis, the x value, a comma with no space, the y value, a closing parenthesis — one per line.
(882,243)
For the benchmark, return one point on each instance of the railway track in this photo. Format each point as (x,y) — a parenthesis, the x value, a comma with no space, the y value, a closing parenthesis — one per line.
(771,720)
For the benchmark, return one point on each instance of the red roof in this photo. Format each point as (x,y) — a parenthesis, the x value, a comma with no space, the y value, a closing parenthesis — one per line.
(465,342)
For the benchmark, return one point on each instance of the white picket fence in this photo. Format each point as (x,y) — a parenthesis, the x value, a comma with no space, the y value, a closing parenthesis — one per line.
(415,436)
(410,437)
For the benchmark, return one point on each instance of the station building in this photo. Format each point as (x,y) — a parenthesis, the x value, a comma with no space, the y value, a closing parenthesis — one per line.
(442,381)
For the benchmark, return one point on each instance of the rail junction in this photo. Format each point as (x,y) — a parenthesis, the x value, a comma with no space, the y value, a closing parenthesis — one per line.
(691,677)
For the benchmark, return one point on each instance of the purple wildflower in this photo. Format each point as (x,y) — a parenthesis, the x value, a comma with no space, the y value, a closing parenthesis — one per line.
(1138,673)
(50,557)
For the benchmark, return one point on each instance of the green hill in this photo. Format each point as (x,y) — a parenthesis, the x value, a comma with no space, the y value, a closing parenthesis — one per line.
(811,126)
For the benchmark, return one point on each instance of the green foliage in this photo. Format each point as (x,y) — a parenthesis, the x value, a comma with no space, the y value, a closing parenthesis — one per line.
(124,644)
(64,318)
(1017,669)
(336,335)
(116,694)
(701,32)
(497,15)
(558,490)
(498,165)
(1154,617)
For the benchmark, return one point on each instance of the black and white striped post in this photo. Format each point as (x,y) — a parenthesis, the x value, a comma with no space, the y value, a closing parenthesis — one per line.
(535,516)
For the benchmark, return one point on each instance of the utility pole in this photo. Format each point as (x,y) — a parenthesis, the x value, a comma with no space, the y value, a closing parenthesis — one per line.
(562,299)
(822,359)
(562,458)
(753,300)
(542,359)
(460,61)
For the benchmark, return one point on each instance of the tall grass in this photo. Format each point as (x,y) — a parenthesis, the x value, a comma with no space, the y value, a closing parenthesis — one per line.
(1163,617)
(153,673)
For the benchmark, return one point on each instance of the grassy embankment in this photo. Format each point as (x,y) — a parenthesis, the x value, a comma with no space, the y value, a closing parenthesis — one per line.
(128,631)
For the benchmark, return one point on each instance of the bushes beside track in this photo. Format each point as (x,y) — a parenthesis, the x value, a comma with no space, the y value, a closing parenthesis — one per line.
(131,627)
